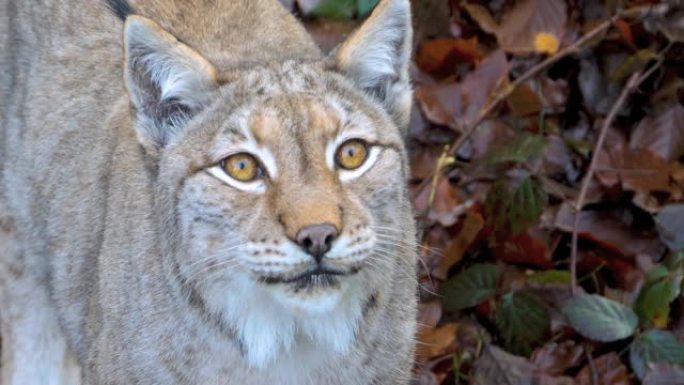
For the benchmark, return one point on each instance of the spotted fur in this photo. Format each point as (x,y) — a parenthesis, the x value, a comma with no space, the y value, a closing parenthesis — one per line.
(128,256)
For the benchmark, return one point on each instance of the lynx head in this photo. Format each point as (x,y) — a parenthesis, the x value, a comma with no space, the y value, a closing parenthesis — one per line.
(280,186)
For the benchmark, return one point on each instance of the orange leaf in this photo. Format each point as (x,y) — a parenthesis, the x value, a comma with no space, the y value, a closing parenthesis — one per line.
(545,42)
(443,54)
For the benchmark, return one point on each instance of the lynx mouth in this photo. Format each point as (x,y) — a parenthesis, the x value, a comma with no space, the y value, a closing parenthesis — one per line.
(318,277)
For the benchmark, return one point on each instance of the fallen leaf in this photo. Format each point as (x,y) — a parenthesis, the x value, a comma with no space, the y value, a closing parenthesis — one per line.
(609,370)
(457,105)
(555,358)
(662,287)
(670,222)
(530,248)
(442,55)
(524,101)
(636,169)
(531,26)
(598,91)
(480,14)
(456,247)
(445,209)
(664,374)
(437,341)
(600,318)
(655,346)
(423,161)
(625,31)
(609,230)
(488,134)
(470,287)
(663,135)
(429,314)
(496,366)
(523,320)
(512,209)
(558,159)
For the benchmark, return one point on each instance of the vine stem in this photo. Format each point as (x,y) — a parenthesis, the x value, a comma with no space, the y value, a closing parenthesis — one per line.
(502,95)
(634,81)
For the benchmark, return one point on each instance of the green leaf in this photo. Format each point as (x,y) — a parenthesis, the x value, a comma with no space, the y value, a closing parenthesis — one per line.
(470,287)
(529,200)
(561,277)
(600,318)
(517,150)
(655,346)
(656,274)
(365,7)
(513,210)
(653,304)
(633,64)
(335,9)
(523,321)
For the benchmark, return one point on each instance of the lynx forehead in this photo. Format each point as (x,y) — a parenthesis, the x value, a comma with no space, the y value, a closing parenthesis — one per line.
(220,204)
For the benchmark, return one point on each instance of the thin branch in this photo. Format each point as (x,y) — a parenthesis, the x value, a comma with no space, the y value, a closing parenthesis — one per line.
(506,92)
(592,367)
(638,11)
(634,81)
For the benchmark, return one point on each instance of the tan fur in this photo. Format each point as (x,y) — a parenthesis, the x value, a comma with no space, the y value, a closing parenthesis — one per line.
(127,258)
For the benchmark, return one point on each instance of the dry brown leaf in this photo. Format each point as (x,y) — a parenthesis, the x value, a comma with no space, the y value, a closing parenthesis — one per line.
(530,248)
(458,105)
(488,133)
(445,209)
(437,341)
(609,230)
(531,26)
(429,314)
(442,55)
(610,371)
(481,15)
(524,101)
(664,374)
(499,367)
(663,134)
(554,358)
(453,252)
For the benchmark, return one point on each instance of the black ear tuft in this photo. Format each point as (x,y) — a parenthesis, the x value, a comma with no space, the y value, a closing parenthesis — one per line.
(121,8)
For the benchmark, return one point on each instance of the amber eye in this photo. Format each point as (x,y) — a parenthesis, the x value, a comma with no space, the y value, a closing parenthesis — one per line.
(351,154)
(242,167)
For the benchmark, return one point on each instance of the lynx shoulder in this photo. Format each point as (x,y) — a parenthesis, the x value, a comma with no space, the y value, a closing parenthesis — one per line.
(192,193)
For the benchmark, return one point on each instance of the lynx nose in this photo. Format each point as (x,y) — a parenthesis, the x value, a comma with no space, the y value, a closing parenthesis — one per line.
(316,239)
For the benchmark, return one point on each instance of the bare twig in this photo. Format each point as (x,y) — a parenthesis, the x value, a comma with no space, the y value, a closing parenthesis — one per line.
(592,366)
(532,72)
(507,91)
(634,81)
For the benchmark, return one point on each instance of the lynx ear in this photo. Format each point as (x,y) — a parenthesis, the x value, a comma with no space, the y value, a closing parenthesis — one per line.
(377,57)
(167,81)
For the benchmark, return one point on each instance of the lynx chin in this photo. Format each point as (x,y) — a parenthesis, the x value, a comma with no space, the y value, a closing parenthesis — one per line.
(191,192)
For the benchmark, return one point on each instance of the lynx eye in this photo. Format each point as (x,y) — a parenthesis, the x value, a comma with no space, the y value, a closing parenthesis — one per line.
(242,167)
(351,154)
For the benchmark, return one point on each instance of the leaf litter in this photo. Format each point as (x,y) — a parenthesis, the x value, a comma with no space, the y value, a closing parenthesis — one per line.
(496,220)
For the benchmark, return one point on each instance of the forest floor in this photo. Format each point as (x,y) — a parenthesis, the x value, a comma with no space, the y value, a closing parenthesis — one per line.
(547,157)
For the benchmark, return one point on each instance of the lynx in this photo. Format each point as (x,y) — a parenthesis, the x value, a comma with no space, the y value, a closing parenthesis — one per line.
(191,192)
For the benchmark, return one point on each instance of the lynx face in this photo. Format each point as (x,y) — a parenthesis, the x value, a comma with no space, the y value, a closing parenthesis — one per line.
(281,187)
(294,185)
